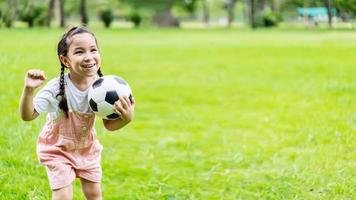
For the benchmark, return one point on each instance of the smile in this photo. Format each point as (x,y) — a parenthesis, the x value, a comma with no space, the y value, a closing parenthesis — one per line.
(88,66)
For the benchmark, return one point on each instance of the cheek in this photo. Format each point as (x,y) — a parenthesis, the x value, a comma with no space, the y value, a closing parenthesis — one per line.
(98,60)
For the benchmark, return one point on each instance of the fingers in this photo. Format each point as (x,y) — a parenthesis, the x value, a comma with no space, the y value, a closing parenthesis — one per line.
(36,74)
(132,103)
(131,100)
(125,104)
(118,108)
(123,107)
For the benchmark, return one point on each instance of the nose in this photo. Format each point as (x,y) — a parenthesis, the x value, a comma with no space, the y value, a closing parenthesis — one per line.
(88,57)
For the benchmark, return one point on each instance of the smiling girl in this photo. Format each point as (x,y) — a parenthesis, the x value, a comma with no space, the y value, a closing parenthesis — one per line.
(67,145)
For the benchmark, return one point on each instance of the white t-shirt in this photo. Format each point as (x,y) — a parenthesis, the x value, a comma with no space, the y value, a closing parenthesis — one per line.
(46,101)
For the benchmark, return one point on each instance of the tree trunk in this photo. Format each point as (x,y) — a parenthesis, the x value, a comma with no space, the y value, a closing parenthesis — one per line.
(206,13)
(164,18)
(306,18)
(276,6)
(30,23)
(83,13)
(50,12)
(11,15)
(252,13)
(328,8)
(246,10)
(261,5)
(61,13)
(230,9)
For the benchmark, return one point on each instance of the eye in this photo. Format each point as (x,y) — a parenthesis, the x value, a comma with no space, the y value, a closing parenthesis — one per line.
(94,50)
(78,52)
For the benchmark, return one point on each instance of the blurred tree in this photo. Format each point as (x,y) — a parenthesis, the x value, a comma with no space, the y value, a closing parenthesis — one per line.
(327,4)
(31,12)
(161,9)
(251,10)
(276,6)
(107,17)
(83,12)
(8,10)
(135,18)
(263,13)
(190,6)
(230,5)
(55,5)
(61,14)
(347,7)
(50,12)
(206,14)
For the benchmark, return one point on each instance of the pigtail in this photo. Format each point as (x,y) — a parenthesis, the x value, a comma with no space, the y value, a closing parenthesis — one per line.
(61,95)
(100,73)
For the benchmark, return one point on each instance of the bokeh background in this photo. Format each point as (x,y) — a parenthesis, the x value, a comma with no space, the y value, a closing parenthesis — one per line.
(235,99)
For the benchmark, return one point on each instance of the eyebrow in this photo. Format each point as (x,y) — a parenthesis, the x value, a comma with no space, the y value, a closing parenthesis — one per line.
(93,46)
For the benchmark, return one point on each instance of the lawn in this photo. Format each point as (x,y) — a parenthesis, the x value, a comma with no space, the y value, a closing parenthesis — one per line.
(221,114)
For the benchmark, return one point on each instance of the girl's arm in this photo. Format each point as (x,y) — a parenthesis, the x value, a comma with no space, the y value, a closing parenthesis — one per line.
(125,109)
(27,109)
(33,79)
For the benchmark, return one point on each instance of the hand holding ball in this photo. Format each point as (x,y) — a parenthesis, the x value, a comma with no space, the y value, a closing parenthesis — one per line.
(104,92)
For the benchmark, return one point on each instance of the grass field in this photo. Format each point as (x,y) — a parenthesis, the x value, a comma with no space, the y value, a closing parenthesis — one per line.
(220,114)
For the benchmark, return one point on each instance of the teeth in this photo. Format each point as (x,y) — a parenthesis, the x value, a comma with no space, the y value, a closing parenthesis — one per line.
(88,66)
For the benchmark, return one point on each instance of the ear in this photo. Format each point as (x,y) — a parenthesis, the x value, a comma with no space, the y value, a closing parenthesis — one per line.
(64,60)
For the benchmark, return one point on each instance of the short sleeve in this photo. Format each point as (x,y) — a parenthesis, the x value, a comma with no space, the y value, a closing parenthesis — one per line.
(45,100)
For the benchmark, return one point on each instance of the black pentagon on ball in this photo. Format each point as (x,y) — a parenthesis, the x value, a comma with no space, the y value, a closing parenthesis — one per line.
(130,98)
(120,80)
(111,97)
(97,83)
(93,105)
(113,116)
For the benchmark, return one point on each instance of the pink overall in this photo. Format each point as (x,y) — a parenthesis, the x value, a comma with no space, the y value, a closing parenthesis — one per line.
(68,147)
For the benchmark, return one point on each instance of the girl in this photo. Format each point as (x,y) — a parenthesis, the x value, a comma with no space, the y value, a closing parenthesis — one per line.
(67,145)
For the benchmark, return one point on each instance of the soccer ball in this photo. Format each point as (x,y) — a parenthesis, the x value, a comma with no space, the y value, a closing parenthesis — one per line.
(104,92)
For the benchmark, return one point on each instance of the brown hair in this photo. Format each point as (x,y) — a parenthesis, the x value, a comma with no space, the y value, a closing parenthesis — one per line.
(62,49)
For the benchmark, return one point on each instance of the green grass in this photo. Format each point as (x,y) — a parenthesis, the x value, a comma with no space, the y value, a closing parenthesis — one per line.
(220,114)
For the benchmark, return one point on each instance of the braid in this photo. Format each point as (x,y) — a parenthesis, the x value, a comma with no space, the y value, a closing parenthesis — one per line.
(63,100)
(100,73)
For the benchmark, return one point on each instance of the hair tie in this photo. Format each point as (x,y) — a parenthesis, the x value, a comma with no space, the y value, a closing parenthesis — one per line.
(59,97)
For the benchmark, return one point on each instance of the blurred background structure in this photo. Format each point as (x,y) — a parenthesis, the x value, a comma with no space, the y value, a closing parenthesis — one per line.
(179,13)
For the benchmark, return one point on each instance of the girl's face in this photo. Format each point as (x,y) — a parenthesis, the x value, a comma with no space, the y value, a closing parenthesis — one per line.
(83,58)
